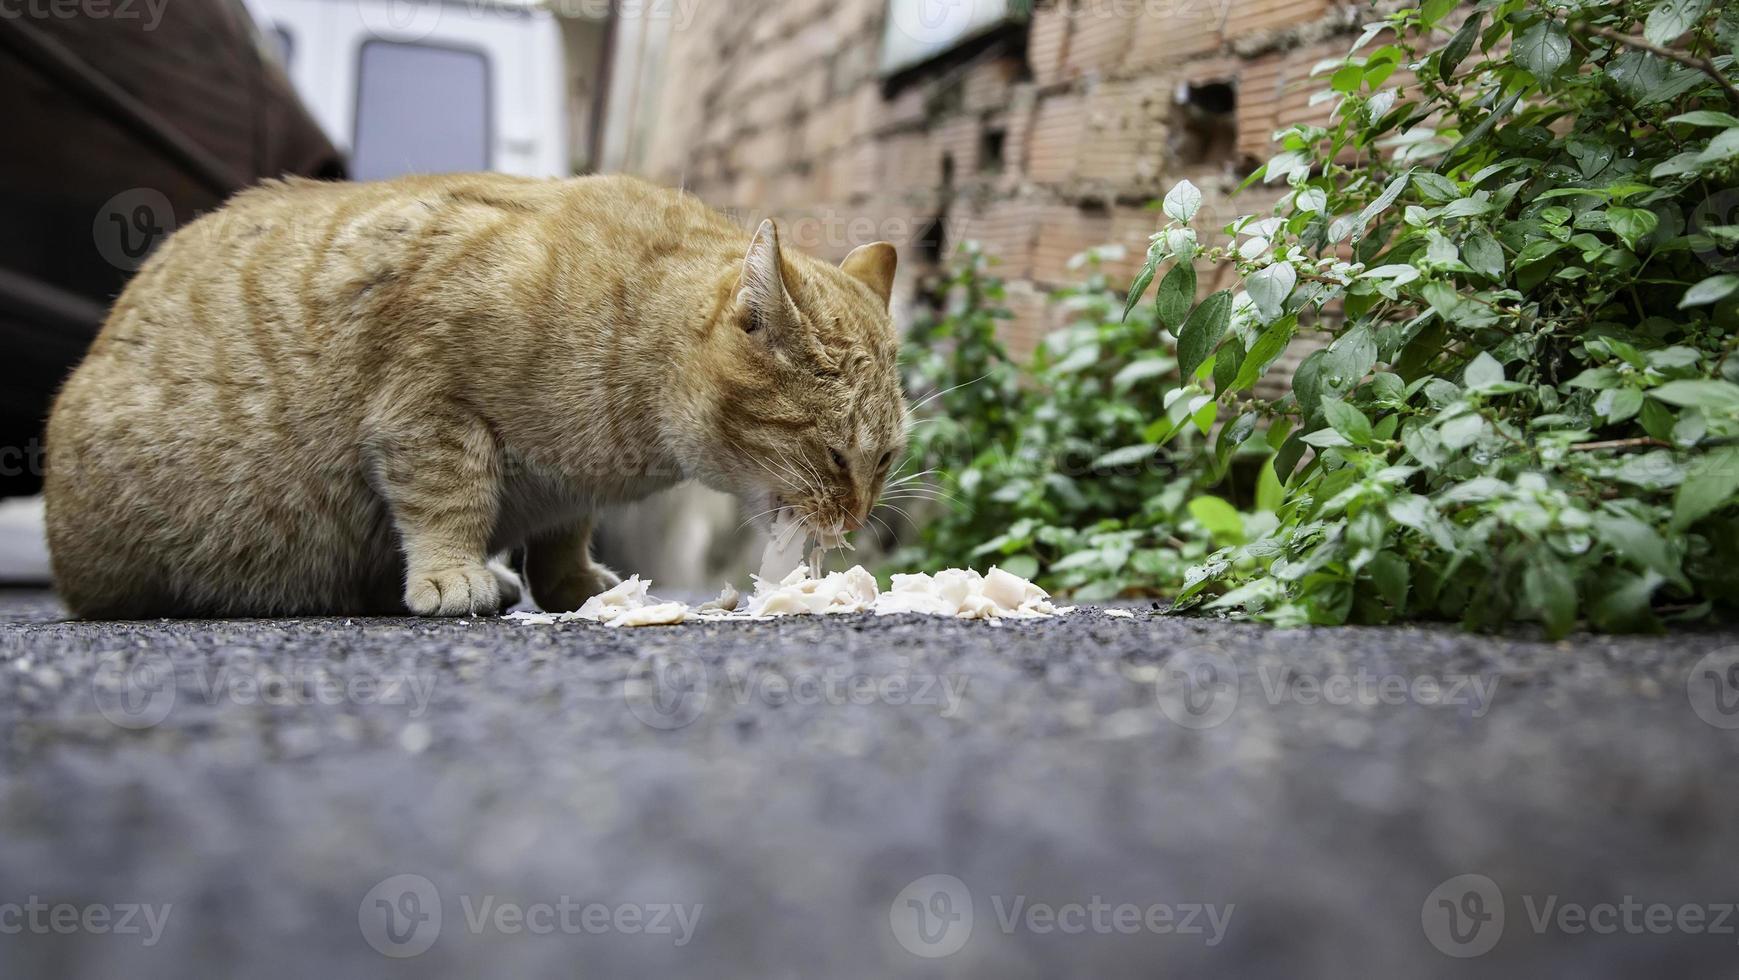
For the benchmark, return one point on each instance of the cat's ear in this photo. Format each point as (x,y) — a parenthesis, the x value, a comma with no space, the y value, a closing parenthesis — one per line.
(761,289)
(873,265)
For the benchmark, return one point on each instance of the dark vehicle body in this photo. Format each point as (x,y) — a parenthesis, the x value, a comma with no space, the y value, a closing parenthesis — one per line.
(125,120)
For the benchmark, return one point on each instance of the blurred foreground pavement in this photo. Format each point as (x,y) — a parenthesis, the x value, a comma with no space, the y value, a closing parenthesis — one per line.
(853,797)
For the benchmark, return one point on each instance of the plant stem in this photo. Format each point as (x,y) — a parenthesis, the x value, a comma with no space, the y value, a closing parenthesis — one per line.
(1703,65)
(1641,442)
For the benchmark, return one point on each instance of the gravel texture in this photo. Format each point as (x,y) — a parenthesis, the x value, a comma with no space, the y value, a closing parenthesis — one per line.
(1146,796)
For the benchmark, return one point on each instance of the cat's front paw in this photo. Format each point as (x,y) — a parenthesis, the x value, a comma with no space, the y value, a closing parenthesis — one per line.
(462,591)
(571,591)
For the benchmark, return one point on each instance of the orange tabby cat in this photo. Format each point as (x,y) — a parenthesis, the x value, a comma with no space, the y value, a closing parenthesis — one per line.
(344,398)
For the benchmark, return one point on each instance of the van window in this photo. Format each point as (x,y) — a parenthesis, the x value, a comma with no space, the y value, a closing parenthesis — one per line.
(420,109)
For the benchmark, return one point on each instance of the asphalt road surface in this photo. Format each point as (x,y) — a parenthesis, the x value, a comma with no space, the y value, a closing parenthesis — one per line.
(859,797)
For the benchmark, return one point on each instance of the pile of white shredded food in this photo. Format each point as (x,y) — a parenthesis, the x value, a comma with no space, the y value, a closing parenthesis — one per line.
(789,586)
(958,592)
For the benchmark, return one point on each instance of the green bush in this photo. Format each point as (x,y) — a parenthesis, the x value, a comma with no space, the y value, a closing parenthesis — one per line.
(1525,260)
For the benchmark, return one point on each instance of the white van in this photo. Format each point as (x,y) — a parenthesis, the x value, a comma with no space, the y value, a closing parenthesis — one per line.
(425,86)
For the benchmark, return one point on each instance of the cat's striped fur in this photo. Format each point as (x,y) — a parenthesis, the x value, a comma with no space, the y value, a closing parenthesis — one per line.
(343,398)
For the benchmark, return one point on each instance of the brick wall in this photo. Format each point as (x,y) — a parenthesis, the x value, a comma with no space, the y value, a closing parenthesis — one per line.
(1048,141)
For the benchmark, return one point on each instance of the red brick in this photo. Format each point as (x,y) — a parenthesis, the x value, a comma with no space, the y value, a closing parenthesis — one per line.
(1174,31)
(1046,37)
(1054,144)
(1099,36)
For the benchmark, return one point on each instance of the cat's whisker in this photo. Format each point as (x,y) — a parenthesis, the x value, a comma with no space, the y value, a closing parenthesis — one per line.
(753,517)
(913,409)
(902,481)
(917,496)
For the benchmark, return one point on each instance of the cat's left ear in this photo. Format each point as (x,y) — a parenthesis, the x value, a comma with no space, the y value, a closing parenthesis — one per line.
(761,289)
(873,265)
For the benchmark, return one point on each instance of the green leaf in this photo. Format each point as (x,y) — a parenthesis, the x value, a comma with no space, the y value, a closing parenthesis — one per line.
(1550,593)
(1176,292)
(1141,369)
(1618,404)
(1484,372)
(1484,255)
(1183,201)
(1632,224)
(1631,540)
(1391,575)
(1433,10)
(1711,290)
(1706,117)
(1347,361)
(1270,492)
(1458,47)
(1543,48)
(1025,566)
(1126,456)
(1710,484)
(1348,421)
(1623,606)
(1483,129)
(1267,347)
(1269,288)
(1714,396)
(1672,18)
(1390,193)
(1220,518)
(1138,288)
(1201,333)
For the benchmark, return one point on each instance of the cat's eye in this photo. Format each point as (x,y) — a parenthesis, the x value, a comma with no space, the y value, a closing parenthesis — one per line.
(838,458)
(887,458)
